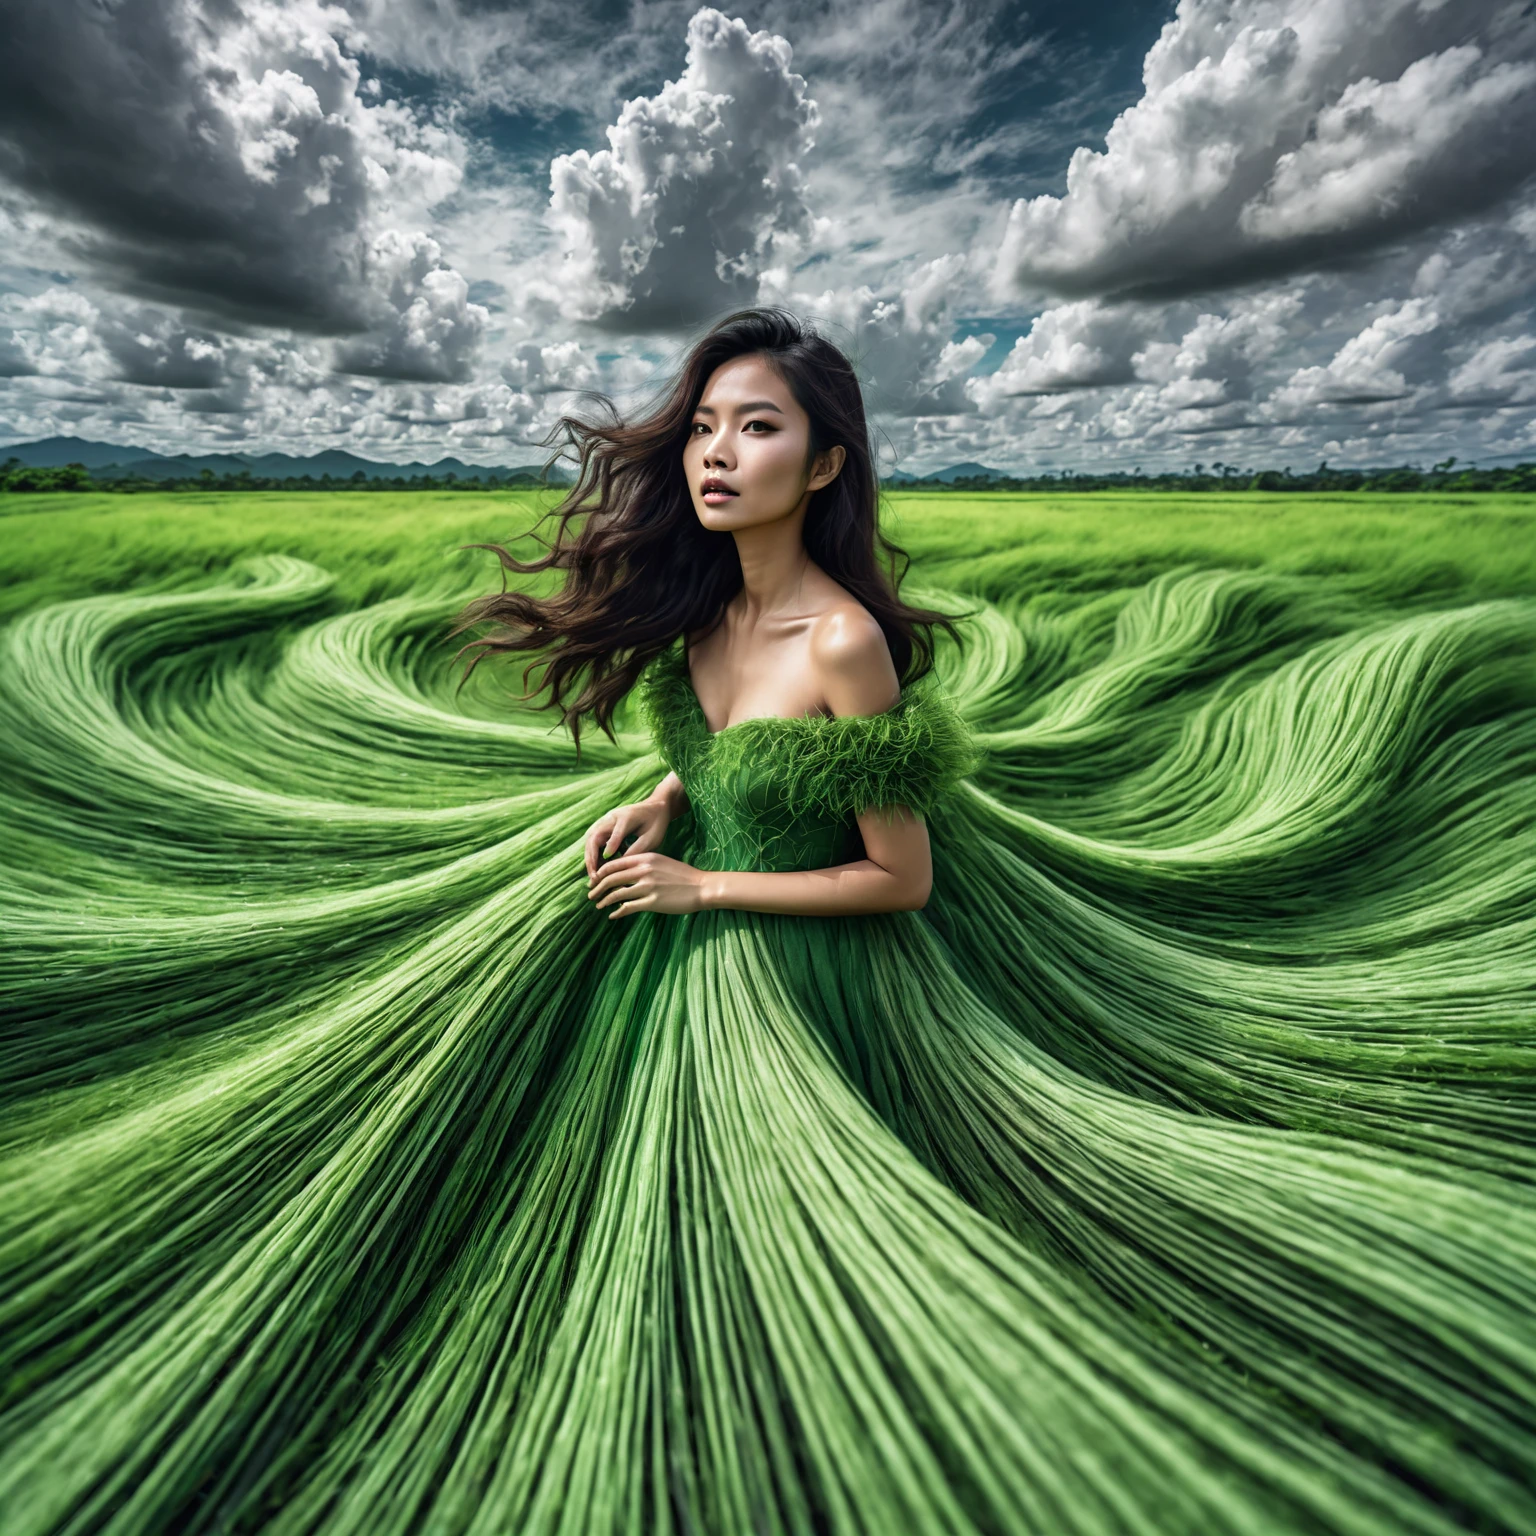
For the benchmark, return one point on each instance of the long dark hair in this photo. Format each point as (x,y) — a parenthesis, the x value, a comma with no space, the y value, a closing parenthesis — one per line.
(640,569)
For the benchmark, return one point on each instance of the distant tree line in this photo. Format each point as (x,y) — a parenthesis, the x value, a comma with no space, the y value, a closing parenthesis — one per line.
(16,476)
(1444,476)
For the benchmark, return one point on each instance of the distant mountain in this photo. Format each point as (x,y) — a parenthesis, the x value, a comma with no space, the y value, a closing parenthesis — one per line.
(108,461)
(946,476)
(54,452)
(968,471)
(160,466)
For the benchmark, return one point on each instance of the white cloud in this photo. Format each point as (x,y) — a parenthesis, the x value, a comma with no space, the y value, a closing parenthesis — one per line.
(1501,372)
(1266,125)
(1382,147)
(1222,349)
(1073,346)
(536,369)
(698,187)
(959,357)
(899,338)
(1368,368)
(157,349)
(428,329)
(16,361)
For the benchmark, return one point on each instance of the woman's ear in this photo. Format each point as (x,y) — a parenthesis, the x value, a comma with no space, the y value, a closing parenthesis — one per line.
(827,466)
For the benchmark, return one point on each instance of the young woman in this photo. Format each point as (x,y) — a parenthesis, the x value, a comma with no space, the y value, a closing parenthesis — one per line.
(779,620)
(792,642)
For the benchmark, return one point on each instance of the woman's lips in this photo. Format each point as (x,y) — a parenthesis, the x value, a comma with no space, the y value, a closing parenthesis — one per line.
(718,495)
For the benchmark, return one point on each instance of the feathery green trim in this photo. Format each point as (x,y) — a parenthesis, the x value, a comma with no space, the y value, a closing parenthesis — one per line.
(913,754)
(668,707)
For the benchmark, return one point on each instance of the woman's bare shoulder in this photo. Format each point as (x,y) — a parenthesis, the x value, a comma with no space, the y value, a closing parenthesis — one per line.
(853,661)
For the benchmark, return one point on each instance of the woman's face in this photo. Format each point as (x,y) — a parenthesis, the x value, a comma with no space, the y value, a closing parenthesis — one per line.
(749,432)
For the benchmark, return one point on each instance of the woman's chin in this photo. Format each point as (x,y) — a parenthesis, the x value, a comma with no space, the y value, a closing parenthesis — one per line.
(724,519)
(732,517)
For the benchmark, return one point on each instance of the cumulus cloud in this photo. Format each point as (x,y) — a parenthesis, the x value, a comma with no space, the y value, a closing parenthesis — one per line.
(1501,372)
(958,357)
(58,330)
(117,349)
(1226,350)
(1385,146)
(428,329)
(1272,134)
(536,369)
(1073,346)
(1368,368)
(223,160)
(1418,352)
(157,349)
(678,216)
(16,362)
(899,337)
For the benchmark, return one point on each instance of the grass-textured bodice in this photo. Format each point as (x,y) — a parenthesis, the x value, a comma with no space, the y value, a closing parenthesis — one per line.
(779,793)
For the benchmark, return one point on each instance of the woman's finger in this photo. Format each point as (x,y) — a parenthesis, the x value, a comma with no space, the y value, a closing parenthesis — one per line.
(621,891)
(628,907)
(620,832)
(623,862)
(595,835)
(624,890)
(614,877)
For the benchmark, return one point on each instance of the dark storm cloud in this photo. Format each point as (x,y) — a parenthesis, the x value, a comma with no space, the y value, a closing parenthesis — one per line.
(14,362)
(155,350)
(240,191)
(229,162)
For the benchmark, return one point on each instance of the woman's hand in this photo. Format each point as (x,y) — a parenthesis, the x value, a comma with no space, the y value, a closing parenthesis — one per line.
(648,882)
(646,821)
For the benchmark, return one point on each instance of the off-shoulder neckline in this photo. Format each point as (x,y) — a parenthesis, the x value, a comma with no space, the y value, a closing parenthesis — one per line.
(677,658)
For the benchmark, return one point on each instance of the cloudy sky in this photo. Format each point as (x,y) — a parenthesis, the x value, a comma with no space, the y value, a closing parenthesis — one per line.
(1258,232)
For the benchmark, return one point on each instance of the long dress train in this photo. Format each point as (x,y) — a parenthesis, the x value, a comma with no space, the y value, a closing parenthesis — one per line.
(1170,1172)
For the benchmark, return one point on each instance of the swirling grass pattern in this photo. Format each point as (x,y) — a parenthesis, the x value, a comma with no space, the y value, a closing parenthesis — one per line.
(1172,1172)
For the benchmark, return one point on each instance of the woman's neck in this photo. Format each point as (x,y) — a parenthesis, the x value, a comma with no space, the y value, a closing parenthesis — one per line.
(774,561)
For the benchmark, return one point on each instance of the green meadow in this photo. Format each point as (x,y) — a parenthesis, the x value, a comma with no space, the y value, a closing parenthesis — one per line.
(1009,547)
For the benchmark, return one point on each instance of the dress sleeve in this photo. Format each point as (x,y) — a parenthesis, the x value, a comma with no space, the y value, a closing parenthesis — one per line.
(913,755)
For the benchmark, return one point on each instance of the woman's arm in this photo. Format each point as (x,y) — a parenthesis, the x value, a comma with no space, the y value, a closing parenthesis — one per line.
(896,874)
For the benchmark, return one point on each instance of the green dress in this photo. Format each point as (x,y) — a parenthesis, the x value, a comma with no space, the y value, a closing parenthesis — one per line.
(361,1178)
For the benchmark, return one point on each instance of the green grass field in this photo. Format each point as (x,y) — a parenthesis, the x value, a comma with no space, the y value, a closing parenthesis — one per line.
(1007,547)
